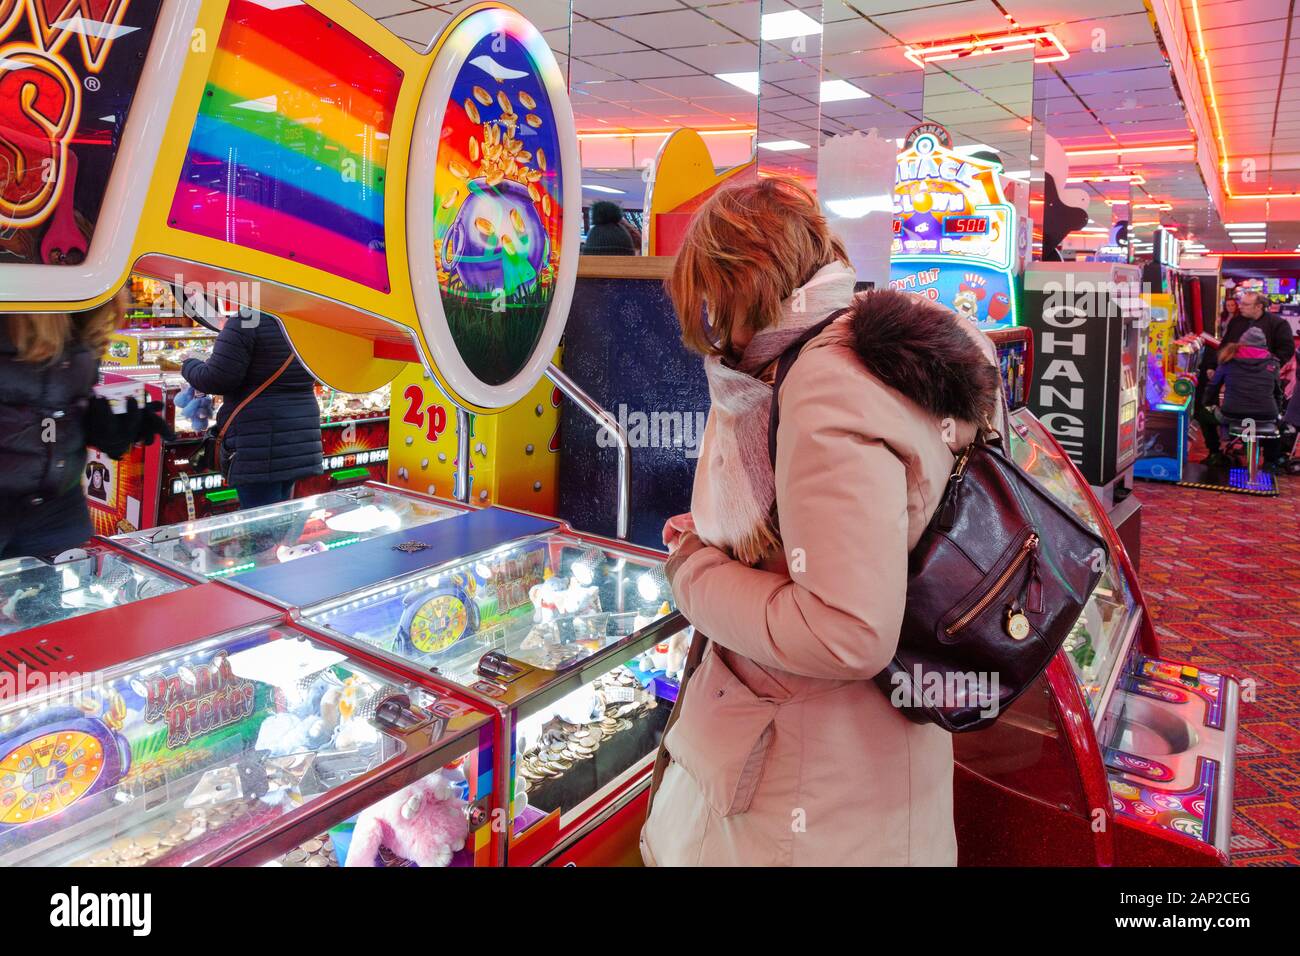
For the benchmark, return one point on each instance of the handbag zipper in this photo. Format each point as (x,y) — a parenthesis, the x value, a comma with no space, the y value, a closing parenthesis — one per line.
(1026,552)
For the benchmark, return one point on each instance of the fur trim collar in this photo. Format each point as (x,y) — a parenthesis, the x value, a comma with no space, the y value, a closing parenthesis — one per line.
(916,348)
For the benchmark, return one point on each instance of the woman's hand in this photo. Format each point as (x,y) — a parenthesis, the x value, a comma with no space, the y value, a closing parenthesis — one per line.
(674,527)
(687,543)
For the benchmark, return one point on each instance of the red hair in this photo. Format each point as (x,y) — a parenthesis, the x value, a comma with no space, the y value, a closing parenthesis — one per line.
(745,252)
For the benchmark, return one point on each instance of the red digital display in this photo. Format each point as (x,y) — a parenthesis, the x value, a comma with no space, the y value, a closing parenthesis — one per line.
(898,226)
(965,225)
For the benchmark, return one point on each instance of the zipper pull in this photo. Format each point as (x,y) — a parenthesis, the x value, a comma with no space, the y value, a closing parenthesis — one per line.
(1034,591)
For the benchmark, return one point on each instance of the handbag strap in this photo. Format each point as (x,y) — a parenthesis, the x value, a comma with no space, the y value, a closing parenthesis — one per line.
(783,364)
(225,426)
(699,643)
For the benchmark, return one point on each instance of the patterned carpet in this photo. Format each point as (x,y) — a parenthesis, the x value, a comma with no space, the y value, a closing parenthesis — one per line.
(1221,573)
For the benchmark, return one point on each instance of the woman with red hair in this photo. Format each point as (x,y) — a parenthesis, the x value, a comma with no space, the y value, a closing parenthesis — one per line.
(785,752)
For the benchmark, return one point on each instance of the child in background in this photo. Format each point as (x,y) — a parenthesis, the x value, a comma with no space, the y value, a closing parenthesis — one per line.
(1250,378)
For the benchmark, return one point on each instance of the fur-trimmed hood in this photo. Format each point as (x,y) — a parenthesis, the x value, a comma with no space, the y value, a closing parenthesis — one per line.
(920,349)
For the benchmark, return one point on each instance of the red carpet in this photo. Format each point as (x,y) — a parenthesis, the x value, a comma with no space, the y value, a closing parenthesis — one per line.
(1221,573)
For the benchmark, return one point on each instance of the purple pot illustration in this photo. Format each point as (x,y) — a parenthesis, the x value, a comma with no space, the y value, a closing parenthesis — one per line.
(497,240)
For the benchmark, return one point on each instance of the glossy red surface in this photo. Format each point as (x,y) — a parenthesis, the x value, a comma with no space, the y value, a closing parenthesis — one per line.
(616,841)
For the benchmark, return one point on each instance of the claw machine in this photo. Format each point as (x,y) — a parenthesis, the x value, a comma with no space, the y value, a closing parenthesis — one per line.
(572,639)
(209,732)
(1116,755)
(227,545)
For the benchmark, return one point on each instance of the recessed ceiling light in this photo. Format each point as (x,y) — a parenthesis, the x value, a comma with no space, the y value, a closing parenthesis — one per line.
(601,189)
(1245,225)
(1248,235)
(746,81)
(787,24)
(835,90)
(1242,242)
(783,145)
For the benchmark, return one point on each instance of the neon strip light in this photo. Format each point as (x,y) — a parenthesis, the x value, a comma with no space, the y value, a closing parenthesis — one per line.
(237,569)
(665,132)
(1001,43)
(1133,179)
(1204,59)
(1252,255)
(1130,149)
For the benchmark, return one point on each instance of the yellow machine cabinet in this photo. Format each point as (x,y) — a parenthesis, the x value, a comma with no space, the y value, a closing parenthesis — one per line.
(513,454)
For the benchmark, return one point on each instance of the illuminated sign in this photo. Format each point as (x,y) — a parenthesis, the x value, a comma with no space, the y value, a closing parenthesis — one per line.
(954,231)
(64,96)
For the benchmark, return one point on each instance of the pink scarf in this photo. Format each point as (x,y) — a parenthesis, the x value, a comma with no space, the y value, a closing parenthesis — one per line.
(735,490)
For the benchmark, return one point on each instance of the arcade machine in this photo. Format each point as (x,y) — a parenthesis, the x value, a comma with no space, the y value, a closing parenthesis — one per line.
(1115,756)
(684,179)
(1168,393)
(957,237)
(454,248)
(571,638)
(228,545)
(354,439)
(1089,326)
(159,485)
(35,592)
(217,734)
(1015,350)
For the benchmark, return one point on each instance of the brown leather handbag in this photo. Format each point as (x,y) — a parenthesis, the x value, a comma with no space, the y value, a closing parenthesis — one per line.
(994,586)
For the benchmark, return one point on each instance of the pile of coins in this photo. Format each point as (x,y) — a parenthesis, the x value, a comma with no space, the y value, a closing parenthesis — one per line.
(316,852)
(564,744)
(161,837)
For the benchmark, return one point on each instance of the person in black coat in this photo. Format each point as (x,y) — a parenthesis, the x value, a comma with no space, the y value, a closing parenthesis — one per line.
(607,236)
(1254,314)
(49,414)
(275,439)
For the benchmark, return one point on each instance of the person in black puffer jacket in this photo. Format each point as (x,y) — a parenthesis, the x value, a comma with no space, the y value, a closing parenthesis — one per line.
(607,236)
(275,439)
(49,363)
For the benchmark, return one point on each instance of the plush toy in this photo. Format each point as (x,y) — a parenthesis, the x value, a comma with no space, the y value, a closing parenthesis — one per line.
(196,406)
(675,663)
(560,596)
(546,598)
(424,823)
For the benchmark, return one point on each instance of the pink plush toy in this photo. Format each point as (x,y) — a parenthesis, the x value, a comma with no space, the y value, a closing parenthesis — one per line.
(424,823)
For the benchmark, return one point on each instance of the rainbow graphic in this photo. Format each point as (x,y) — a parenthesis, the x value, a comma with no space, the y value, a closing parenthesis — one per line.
(290,144)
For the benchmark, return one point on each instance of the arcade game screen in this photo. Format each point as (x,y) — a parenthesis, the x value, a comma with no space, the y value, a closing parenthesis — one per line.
(230,544)
(35,592)
(172,757)
(545,605)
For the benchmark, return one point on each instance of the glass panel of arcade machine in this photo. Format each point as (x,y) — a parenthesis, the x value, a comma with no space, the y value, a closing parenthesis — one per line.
(230,544)
(547,604)
(35,592)
(1100,637)
(171,759)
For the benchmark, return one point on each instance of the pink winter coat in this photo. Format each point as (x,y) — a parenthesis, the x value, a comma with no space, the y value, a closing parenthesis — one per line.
(785,753)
